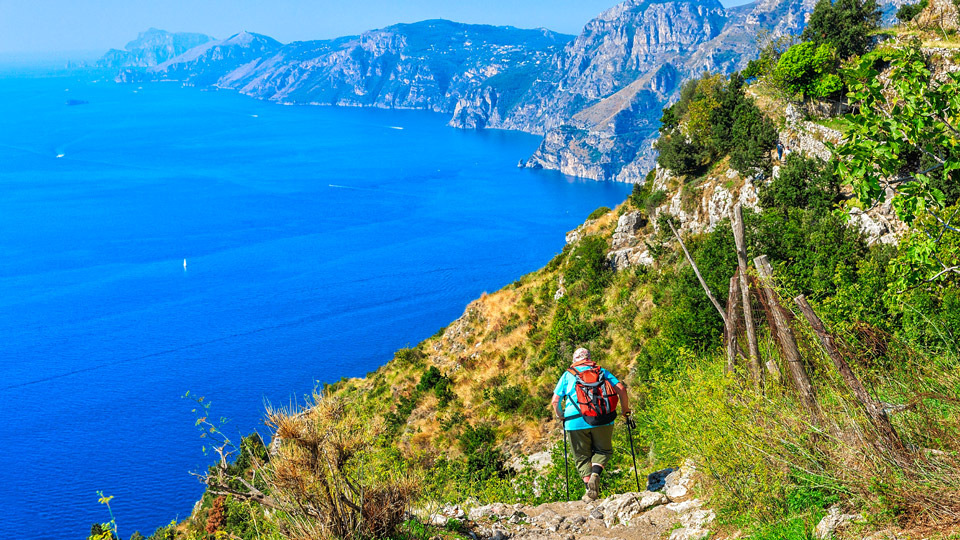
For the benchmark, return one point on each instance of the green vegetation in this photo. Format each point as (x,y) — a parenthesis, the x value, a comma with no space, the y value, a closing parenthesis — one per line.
(598,213)
(712,119)
(907,12)
(845,25)
(903,146)
(809,70)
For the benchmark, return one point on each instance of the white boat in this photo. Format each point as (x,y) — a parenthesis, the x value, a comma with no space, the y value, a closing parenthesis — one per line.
(184,264)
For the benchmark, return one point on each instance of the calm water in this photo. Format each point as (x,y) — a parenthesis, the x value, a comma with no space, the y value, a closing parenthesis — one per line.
(317,240)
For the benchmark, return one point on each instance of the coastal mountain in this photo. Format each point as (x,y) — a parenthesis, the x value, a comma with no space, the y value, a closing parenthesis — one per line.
(151,48)
(427,65)
(205,64)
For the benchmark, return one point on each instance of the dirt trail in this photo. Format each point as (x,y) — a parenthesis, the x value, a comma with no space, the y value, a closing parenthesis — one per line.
(648,515)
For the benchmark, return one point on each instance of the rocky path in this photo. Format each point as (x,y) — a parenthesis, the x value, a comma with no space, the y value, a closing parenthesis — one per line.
(670,513)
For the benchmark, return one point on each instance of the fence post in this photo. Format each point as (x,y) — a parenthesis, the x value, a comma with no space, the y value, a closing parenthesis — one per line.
(752,346)
(788,342)
(874,409)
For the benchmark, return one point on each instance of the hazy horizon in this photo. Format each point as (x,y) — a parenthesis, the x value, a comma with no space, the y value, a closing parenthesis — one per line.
(47,28)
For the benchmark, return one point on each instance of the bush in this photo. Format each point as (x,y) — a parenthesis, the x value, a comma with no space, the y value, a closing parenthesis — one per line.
(440,384)
(478,444)
(809,70)
(410,356)
(588,263)
(805,183)
(680,154)
(717,119)
(754,136)
(508,399)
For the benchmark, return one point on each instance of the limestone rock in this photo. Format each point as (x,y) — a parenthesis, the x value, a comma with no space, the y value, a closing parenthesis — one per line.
(622,259)
(680,482)
(835,519)
(628,226)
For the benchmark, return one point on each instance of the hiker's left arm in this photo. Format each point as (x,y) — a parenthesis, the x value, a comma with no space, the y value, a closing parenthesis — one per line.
(621,391)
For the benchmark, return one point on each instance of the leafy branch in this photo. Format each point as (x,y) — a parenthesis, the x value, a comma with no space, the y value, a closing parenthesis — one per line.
(902,148)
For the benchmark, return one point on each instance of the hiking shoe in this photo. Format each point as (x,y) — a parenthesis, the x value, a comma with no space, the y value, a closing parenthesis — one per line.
(593,487)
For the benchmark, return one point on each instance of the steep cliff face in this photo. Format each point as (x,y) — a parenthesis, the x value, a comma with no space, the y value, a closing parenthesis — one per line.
(623,44)
(151,48)
(651,49)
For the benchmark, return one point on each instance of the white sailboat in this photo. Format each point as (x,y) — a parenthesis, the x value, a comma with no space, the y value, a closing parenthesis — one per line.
(184,264)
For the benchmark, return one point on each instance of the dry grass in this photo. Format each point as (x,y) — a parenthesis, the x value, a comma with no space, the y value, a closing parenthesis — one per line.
(316,476)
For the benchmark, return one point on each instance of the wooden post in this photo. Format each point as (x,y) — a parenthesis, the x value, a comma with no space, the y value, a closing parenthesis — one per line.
(696,271)
(733,299)
(788,343)
(771,364)
(740,240)
(874,409)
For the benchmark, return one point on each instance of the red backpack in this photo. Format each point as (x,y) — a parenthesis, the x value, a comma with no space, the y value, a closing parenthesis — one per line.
(596,399)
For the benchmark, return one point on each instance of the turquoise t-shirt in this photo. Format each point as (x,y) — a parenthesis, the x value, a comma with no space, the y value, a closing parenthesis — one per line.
(567,388)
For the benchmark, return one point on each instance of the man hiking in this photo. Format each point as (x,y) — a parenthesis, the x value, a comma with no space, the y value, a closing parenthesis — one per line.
(592,394)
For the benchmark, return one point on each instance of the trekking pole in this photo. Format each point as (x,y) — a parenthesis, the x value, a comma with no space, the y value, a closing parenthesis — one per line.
(632,453)
(566,468)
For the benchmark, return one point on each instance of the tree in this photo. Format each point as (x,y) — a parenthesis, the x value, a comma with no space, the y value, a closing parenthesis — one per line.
(845,24)
(754,136)
(806,183)
(903,145)
(907,12)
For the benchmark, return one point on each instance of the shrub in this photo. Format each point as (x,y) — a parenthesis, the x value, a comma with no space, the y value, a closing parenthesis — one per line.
(806,183)
(680,154)
(809,70)
(440,384)
(717,120)
(508,399)
(410,356)
(754,136)
(478,443)
(588,263)
(323,474)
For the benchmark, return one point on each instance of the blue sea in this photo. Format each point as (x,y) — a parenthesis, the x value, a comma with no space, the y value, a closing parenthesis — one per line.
(317,242)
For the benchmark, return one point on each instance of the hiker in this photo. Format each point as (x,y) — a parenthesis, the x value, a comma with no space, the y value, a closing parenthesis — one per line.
(589,426)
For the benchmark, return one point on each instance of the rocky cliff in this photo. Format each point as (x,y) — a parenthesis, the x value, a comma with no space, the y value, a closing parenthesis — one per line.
(601,116)
(151,48)
(427,65)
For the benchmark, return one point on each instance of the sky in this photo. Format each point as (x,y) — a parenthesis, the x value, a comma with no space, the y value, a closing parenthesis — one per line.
(42,26)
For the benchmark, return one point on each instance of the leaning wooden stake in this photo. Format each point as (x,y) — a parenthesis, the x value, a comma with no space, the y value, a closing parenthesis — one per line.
(788,343)
(696,271)
(739,239)
(874,409)
(733,300)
